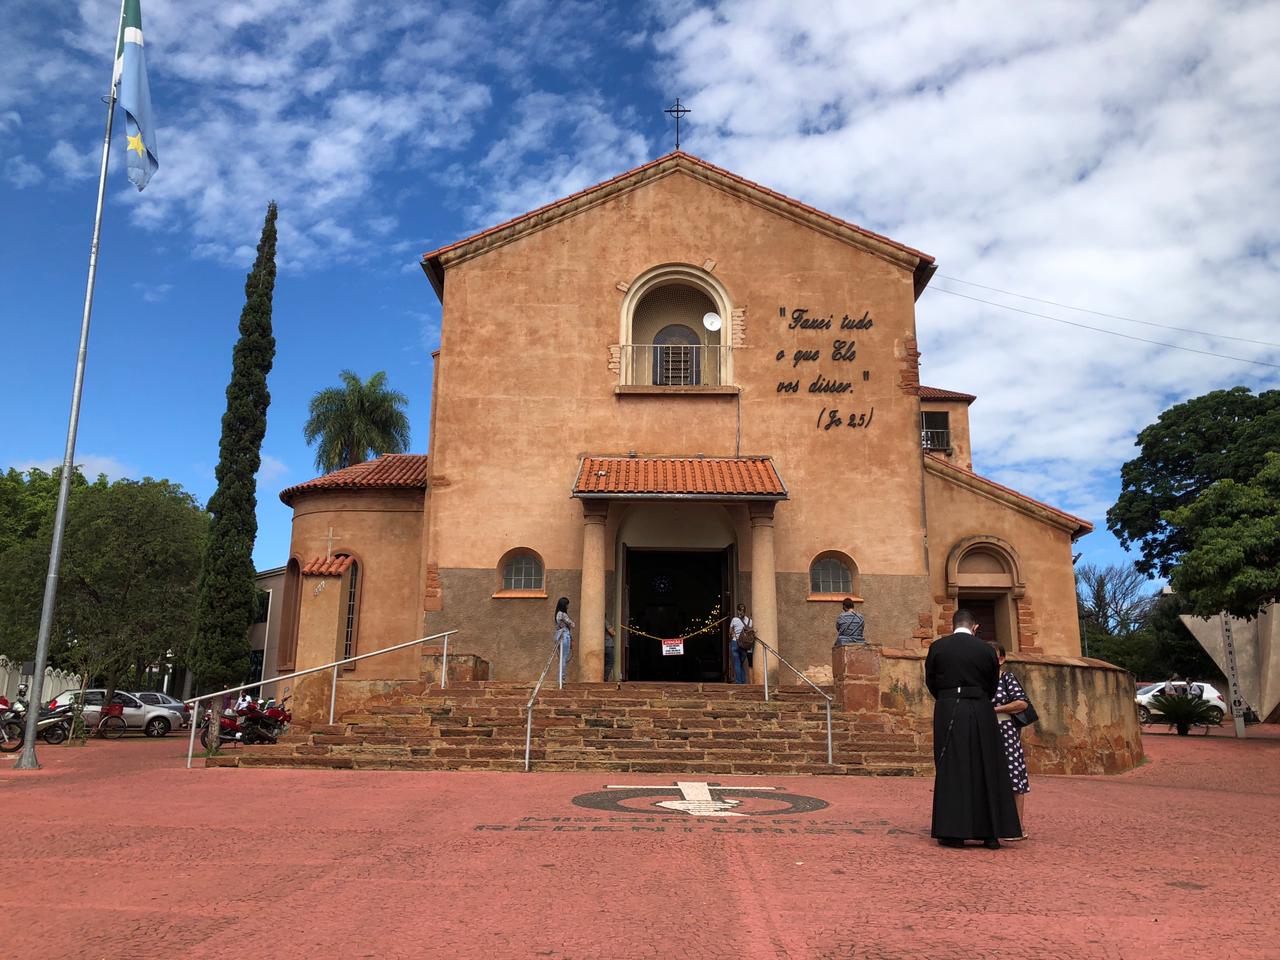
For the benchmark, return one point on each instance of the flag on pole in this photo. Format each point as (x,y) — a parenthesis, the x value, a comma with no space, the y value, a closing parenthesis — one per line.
(135,97)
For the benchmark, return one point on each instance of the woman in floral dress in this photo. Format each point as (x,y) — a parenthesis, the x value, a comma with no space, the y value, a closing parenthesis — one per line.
(1010,698)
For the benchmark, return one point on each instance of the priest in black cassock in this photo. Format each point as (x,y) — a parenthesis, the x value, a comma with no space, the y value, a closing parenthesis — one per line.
(972,794)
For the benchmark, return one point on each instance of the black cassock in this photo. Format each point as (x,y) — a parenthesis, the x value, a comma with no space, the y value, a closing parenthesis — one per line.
(972,794)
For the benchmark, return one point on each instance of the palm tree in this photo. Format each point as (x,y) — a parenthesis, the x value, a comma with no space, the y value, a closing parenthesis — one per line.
(356,421)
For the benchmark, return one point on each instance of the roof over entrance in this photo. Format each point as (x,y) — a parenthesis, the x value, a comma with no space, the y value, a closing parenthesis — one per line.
(391,471)
(685,478)
(920,264)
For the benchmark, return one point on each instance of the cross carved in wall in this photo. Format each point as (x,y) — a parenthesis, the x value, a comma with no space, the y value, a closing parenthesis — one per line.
(328,553)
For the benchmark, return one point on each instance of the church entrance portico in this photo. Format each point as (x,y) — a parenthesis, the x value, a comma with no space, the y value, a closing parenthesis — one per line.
(670,595)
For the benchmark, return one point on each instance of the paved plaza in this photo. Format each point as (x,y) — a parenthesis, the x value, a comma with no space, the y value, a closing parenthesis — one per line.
(115,850)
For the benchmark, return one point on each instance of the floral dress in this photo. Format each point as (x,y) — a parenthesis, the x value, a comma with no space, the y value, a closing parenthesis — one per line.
(1007,691)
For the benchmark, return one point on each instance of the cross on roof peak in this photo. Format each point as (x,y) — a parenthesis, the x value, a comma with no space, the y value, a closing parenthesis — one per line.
(677,110)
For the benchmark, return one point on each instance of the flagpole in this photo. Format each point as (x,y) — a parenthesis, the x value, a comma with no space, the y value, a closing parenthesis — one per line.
(28,761)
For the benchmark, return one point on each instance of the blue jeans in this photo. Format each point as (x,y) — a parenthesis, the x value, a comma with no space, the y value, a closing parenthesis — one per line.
(566,649)
(608,657)
(740,663)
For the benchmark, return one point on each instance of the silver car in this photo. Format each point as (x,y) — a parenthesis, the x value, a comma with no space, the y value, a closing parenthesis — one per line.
(154,698)
(153,720)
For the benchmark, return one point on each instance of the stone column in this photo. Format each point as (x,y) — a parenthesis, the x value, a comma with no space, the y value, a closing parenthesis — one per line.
(764,590)
(589,655)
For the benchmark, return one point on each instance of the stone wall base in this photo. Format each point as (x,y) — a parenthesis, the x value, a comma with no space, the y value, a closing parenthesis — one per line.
(1088,721)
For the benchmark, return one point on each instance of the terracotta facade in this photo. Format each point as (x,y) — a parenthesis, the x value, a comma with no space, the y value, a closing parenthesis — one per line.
(578,332)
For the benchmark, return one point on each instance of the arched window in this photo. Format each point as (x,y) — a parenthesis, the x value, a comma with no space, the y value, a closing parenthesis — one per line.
(522,574)
(833,576)
(669,338)
(349,616)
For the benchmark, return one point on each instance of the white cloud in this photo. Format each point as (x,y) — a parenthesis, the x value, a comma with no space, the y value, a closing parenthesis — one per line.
(90,464)
(153,292)
(75,164)
(21,172)
(271,470)
(1118,156)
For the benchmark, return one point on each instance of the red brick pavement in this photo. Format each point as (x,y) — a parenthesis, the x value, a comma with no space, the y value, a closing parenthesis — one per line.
(116,851)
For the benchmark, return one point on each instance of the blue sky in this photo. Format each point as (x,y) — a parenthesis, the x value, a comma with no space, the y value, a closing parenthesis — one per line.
(1115,156)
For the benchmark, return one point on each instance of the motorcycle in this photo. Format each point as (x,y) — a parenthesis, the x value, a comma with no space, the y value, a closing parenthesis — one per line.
(258,727)
(53,725)
(279,715)
(230,729)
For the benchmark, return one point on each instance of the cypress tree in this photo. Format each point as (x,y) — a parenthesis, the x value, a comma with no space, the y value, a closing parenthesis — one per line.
(225,608)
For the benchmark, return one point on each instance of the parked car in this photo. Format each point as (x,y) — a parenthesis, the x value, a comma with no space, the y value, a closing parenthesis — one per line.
(154,698)
(1208,693)
(152,719)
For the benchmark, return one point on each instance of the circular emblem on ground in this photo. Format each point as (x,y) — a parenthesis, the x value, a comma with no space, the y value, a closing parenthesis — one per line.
(696,798)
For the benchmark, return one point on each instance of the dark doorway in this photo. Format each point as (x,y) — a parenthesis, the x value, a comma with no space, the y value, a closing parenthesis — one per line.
(985,610)
(671,593)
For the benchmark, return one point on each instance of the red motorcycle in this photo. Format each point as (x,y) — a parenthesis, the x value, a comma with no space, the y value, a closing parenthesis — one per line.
(279,716)
(230,730)
(255,725)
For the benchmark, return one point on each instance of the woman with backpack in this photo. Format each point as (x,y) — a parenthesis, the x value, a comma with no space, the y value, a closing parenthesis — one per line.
(742,641)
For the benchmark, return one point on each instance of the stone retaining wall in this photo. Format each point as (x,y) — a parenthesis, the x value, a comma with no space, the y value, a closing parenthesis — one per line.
(1088,722)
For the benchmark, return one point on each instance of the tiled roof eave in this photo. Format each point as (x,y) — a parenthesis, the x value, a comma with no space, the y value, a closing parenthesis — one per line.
(591,495)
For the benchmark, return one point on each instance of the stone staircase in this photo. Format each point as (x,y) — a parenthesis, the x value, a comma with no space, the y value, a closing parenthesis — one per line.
(633,727)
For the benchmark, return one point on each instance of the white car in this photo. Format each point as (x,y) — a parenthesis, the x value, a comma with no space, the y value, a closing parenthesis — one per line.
(1208,693)
(153,720)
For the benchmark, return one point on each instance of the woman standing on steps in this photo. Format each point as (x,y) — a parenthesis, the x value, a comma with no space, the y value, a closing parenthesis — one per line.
(563,627)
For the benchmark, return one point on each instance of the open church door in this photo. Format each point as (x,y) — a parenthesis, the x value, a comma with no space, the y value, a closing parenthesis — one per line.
(728,600)
(622,636)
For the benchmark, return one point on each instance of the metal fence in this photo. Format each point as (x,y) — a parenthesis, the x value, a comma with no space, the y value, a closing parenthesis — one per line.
(55,681)
(674,365)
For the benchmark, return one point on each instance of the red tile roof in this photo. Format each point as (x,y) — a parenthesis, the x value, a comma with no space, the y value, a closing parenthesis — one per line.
(705,477)
(937,393)
(326,567)
(1081,525)
(545,213)
(400,471)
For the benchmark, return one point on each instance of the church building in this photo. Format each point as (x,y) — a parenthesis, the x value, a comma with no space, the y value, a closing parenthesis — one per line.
(663,396)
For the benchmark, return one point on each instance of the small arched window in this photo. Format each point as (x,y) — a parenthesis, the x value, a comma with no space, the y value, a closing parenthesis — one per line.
(833,575)
(522,574)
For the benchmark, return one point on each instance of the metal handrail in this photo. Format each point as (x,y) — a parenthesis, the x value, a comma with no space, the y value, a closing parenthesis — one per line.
(528,708)
(768,650)
(333,690)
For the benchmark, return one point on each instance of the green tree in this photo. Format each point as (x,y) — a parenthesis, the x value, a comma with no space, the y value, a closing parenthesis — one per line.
(356,421)
(1232,531)
(1221,435)
(27,499)
(227,597)
(126,594)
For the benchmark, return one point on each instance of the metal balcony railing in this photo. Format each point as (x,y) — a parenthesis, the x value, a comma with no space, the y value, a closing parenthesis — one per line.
(935,439)
(674,365)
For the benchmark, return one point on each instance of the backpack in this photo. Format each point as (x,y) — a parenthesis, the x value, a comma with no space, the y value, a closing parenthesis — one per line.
(747,638)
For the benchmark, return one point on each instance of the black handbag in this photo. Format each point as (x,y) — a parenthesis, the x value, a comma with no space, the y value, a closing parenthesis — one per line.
(1025,718)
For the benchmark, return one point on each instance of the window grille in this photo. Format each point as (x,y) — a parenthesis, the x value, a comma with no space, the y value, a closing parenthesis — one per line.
(348,638)
(830,575)
(523,572)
